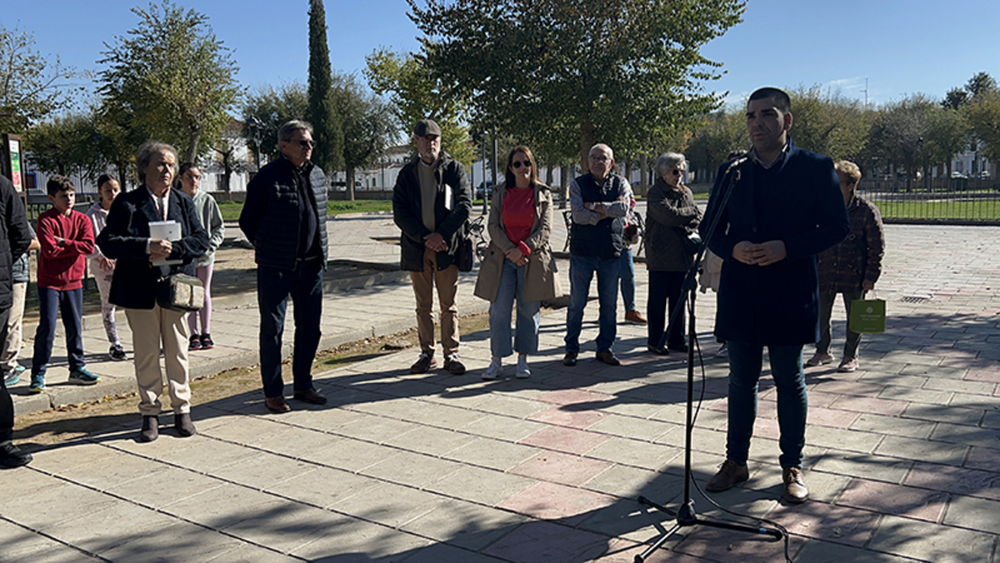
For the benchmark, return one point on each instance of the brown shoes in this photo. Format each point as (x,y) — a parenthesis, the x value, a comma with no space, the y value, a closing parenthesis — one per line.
(310,396)
(183,425)
(424,363)
(729,475)
(454,365)
(276,405)
(609,358)
(795,488)
(634,317)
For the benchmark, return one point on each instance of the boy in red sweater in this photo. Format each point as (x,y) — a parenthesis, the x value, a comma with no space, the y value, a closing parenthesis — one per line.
(67,237)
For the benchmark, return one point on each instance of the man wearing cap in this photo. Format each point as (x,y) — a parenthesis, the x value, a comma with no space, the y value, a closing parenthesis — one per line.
(431,203)
(284,217)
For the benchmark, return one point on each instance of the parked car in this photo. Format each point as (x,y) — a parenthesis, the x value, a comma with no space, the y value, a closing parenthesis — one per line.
(485,188)
(958,175)
(985,174)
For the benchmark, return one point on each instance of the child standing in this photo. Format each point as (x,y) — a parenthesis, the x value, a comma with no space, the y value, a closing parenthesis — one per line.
(103,267)
(211,218)
(12,370)
(67,237)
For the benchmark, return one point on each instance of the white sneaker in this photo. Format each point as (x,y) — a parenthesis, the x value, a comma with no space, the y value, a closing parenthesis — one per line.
(494,371)
(522,368)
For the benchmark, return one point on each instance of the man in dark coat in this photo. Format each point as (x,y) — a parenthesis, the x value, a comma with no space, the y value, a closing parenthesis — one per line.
(785,207)
(284,217)
(431,204)
(14,240)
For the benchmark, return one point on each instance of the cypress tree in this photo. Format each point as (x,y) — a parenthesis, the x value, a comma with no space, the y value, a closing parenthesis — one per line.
(322,112)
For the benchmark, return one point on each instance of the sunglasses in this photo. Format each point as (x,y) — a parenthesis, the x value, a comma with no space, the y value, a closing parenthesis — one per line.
(303,142)
(517,164)
(676,172)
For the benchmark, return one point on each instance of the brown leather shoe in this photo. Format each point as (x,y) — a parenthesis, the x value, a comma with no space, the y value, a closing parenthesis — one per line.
(150,429)
(424,363)
(609,358)
(634,317)
(183,425)
(276,405)
(310,396)
(795,488)
(730,474)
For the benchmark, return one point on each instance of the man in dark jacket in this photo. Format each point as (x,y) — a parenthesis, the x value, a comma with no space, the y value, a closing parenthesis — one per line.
(284,217)
(599,201)
(785,207)
(431,204)
(14,240)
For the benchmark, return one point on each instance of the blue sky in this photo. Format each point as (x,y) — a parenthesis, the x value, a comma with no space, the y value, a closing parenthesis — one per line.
(901,46)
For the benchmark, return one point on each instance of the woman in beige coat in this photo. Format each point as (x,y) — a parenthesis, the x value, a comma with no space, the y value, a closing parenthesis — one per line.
(518,263)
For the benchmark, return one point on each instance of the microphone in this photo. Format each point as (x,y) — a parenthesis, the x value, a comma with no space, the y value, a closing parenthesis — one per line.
(737,163)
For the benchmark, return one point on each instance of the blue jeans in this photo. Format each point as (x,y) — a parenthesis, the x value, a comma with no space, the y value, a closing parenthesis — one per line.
(627,273)
(52,302)
(528,315)
(581,271)
(789,379)
(305,286)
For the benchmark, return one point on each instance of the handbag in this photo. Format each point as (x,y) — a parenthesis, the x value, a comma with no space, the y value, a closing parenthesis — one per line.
(180,292)
(465,257)
(867,316)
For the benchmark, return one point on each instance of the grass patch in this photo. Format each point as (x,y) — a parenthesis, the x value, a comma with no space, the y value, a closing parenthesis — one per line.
(231,209)
(940,209)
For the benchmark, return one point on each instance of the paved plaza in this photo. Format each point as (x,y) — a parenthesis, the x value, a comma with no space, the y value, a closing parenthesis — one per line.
(902,456)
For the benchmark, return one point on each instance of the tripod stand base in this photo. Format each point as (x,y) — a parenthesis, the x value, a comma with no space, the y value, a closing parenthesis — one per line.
(686,516)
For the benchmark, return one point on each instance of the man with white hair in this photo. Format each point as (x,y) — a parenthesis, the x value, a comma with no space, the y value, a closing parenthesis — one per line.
(599,201)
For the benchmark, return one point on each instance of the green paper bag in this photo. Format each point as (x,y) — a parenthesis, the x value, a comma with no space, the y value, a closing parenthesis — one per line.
(867,315)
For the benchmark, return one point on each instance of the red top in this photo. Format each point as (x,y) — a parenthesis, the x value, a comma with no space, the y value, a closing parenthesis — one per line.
(519,216)
(61,266)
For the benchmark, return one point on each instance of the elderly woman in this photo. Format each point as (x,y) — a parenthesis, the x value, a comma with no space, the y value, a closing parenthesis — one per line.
(518,263)
(126,239)
(851,268)
(671,214)
(211,219)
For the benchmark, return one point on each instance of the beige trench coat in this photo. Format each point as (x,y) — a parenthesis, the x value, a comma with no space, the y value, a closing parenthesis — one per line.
(541,278)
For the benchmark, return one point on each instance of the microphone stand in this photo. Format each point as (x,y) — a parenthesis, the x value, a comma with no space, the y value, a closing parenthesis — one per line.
(685,514)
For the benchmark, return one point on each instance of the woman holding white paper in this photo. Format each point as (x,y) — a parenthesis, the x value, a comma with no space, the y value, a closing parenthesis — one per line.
(126,239)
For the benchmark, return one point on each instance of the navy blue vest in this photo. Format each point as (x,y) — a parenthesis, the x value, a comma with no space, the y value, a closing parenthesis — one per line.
(603,240)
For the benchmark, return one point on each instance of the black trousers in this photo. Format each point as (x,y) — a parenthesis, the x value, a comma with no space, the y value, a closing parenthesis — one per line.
(6,403)
(664,286)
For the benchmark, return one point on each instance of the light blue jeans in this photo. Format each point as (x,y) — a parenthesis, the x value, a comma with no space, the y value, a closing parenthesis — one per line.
(627,274)
(581,271)
(528,315)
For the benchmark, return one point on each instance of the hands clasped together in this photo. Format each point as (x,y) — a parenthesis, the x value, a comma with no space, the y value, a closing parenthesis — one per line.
(763,254)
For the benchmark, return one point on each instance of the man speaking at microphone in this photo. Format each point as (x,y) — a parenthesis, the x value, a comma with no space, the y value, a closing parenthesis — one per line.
(784,209)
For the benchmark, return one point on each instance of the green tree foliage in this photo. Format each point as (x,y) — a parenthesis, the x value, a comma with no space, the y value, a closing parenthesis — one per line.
(322,113)
(719,134)
(625,73)
(916,132)
(415,94)
(981,83)
(31,86)
(173,76)
(367,126)
(63,145)
(984,118)
(271,107)
(829,124)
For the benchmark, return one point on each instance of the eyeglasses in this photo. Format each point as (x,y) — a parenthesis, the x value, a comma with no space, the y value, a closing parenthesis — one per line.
(303,142)
(601,158)
(675,172)
(517,164)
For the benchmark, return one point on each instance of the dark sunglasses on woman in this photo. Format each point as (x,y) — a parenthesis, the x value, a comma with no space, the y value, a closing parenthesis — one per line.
(517,164)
